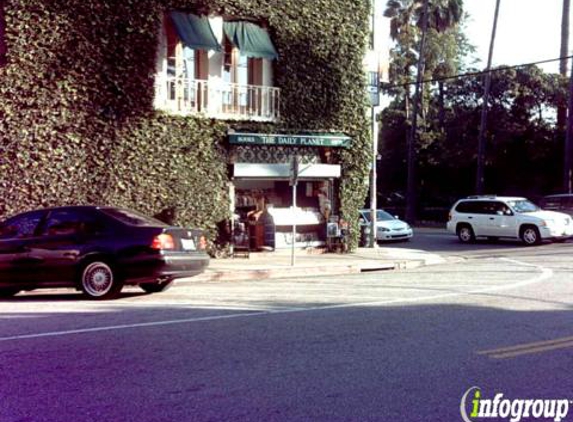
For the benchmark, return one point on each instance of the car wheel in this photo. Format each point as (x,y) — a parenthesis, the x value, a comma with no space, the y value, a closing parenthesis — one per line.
(466,233)
(8,292)
(530,235)
(99,281)
(155,287)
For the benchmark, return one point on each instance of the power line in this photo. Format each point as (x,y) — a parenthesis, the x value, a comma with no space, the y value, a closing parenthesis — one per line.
(477,73)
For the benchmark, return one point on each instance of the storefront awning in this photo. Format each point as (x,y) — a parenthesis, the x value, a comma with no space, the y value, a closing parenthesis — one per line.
(283,171)
(250,39)
(321,140)
(195,32)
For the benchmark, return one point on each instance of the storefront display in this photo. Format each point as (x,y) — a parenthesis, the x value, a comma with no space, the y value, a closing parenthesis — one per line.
(265,208)
(262,188)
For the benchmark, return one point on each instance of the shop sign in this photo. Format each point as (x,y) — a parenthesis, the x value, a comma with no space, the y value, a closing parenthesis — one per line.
(293,140)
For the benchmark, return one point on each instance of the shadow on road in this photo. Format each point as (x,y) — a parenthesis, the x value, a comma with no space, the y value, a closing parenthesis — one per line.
(401,363)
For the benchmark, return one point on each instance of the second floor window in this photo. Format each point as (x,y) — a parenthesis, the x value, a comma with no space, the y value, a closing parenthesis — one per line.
(212,66)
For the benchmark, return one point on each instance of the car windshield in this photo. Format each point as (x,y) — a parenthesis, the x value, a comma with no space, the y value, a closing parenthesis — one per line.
(132,218)
(523,205)
(380,215)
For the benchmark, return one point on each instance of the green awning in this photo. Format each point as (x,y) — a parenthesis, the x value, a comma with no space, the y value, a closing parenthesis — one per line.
(250,39)
(194,31)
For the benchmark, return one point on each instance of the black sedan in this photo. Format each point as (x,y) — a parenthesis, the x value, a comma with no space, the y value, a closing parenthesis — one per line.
(96,250)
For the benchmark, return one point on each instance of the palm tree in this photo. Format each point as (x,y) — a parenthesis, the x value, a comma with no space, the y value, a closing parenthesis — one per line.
(439,15)
(442,14)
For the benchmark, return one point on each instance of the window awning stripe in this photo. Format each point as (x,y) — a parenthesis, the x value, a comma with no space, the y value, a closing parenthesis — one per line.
(195,32)
(250,39)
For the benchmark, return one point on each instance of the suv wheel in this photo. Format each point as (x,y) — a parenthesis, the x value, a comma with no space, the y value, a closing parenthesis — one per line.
(530,235)
(465,233)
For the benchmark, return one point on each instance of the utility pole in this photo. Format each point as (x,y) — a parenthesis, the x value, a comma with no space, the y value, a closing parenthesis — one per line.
(373,185)
(412,134)
(563,52)
(567,183)
(483,122)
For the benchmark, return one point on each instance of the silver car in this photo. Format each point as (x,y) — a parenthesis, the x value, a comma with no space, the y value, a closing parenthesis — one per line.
(388,227)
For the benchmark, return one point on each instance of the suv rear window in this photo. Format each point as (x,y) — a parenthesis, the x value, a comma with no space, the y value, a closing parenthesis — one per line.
(470,207)
(482,207)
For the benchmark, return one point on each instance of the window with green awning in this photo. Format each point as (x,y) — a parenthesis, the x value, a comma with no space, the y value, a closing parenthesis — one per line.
(250,39)
(195,32)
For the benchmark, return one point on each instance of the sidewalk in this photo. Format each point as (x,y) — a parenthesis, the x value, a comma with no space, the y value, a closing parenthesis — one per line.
(265,265)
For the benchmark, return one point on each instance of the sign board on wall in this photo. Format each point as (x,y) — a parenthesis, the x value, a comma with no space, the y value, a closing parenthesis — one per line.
(339,141)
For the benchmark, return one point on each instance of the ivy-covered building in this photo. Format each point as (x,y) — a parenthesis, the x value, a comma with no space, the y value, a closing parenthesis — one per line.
(193,107)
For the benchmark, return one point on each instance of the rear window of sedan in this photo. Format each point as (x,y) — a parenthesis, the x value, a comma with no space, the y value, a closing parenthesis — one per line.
(132,218)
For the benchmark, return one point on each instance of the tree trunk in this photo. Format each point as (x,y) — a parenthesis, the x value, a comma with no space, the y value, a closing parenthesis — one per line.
(441,111)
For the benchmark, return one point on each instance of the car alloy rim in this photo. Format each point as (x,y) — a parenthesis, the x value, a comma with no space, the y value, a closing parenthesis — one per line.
(97,279)
(530,236)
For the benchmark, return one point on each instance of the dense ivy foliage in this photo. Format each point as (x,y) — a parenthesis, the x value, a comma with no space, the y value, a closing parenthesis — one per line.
(76,118)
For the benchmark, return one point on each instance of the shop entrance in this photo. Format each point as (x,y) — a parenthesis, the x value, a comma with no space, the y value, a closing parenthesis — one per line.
(263,214)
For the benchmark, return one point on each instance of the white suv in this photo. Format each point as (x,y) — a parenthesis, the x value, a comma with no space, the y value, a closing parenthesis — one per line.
(507,217)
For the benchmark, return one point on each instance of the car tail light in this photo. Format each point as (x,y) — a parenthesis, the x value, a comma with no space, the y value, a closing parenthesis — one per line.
(202,243)
(163,241)
(449,216)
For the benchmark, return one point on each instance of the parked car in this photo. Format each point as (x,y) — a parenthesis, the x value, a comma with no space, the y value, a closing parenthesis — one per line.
(96,250)
(560,202)
(388,227)
(507,217)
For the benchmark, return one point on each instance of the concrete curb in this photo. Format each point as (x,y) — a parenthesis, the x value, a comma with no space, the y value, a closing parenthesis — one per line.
(263,273)
(261,270)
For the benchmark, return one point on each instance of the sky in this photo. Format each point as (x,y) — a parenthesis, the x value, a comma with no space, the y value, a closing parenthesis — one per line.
(527,31)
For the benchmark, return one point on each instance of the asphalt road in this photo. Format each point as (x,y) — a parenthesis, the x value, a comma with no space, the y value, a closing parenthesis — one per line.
(384,346)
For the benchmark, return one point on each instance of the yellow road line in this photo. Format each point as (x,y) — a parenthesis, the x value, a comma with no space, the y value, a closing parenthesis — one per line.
(528,348)
(532,350)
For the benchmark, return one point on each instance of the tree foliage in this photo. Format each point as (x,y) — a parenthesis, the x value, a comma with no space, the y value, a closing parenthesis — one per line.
(523,144)
(523,147)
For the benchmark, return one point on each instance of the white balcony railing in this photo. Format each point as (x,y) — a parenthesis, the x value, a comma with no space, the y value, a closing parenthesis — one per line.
(217,99)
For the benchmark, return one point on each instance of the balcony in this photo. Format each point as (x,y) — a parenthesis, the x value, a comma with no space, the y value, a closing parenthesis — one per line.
(217,99)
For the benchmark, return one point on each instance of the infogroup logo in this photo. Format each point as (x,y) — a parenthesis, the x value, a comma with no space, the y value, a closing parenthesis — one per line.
(473,408)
